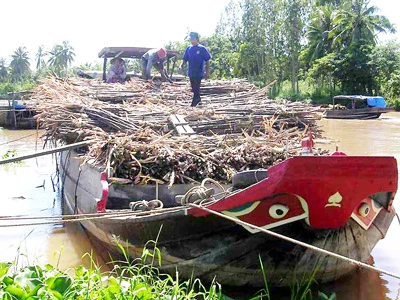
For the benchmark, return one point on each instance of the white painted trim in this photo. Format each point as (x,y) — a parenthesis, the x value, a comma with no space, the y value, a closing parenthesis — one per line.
(277,224)
(374,208)
(246,211)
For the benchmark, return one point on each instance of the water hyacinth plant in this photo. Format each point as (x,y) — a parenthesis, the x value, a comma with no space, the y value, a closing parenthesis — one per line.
(139,279)
(124,282)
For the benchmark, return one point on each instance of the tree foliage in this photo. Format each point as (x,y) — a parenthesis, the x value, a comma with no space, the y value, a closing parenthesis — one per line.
(20,66)
(3,70)
(60,58)
(330,44)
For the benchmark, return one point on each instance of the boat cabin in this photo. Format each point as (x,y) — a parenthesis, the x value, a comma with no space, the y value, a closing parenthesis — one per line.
(358,101)
(134,52)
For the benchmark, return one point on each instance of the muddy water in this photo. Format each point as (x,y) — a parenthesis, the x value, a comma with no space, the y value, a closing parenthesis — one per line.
(370,137)
(27,189)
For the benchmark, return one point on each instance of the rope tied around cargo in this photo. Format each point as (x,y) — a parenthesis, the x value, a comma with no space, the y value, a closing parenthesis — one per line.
(201,194)
(297,242)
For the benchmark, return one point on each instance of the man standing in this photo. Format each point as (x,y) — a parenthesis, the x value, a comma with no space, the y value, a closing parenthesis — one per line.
(156,58)
(198,56)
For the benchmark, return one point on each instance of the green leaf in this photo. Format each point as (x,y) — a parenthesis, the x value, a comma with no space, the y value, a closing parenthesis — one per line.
(61,284)
(16,291)
(322,296)
(4,267)
(113,286)
(8,280)
(29,278)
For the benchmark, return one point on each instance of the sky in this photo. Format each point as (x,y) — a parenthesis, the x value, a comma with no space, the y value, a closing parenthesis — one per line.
(90,25)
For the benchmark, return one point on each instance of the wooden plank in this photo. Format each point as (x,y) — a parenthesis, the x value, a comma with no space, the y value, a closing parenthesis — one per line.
(181,125)
(184,123)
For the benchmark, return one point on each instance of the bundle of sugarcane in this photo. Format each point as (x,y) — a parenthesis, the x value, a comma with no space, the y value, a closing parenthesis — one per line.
(237,127)
(146,157)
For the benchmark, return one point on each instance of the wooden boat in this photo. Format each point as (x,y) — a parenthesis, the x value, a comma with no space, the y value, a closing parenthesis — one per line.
(358,107)
(339,203)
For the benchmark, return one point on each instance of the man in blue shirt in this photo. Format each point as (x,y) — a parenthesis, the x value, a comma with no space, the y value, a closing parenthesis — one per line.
(199,67)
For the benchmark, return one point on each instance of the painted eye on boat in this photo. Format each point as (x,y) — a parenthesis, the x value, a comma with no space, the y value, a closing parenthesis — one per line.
(278,211)
(364,210)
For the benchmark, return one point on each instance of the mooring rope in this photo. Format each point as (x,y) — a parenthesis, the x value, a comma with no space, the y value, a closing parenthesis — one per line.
(16,140)
(82,217)
(297,242)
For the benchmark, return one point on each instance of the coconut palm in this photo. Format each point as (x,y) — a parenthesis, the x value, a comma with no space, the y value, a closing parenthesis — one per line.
(61,56)
(357,21)
(3,70)
(20,64)
(320,32)
(40,54)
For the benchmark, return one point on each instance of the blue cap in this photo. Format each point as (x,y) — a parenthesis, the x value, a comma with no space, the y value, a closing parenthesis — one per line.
(194,35)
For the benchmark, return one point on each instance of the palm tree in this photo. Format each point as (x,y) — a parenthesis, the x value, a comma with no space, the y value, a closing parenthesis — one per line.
(60,57)
(68,55)
(40,54)
(358,21)
(20,64)
(321,32)
(3,70)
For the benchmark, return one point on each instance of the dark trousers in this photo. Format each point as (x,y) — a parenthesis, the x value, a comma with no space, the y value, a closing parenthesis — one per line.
(195,83)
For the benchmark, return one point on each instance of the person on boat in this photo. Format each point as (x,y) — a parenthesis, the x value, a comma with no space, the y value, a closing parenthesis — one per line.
(156,58)
(117,71)
(199,67)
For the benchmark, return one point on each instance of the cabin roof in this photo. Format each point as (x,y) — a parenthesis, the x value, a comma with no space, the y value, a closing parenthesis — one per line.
(350,97)
(129,52)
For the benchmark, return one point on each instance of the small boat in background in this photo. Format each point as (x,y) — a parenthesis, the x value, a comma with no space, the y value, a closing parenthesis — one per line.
(357,107)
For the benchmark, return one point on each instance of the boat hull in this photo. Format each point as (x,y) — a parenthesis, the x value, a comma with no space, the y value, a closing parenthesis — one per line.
(214,248)
(361,114)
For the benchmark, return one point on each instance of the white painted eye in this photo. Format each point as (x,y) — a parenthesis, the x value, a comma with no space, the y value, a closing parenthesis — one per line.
(278,211)
(364,210)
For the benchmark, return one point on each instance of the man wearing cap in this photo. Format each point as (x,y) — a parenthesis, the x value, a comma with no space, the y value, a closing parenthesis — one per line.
(156,58)
(199,67)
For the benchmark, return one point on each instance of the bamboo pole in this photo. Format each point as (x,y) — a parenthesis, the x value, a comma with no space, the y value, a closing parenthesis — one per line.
(44,152)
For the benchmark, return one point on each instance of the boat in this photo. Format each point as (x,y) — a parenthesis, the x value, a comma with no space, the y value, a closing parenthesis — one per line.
(357,107)
(339,203)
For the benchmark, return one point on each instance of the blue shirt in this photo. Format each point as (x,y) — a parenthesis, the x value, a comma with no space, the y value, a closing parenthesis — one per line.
(196,56)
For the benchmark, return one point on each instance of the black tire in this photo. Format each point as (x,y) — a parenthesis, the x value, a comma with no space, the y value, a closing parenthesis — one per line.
(246,178)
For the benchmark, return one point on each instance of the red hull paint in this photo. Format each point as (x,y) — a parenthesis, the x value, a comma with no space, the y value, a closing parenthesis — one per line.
(333,187)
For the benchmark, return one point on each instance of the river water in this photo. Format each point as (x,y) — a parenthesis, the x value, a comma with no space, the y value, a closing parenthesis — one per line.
(379,137)
(27,189)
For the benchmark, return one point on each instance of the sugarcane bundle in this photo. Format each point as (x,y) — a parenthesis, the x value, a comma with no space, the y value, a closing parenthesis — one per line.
(237,127)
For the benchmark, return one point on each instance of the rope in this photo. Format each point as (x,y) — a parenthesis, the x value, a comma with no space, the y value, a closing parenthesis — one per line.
(16,140)
(146,205)
(83,217)
(294,241)
(201,193)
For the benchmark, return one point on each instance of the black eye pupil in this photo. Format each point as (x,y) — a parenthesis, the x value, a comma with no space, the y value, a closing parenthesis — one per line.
(367,210)
(279,212)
